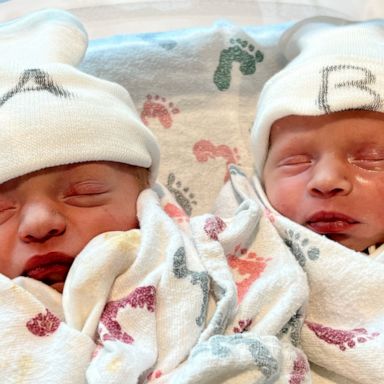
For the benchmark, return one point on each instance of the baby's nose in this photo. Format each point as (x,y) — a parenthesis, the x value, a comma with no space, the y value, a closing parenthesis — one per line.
(40,222)
(331,177)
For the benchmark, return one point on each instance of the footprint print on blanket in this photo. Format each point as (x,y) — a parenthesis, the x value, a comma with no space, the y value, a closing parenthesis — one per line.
(181,271)
(248,266)
(43,324)
(300,247)
(176,213)
(213,226)
(157,107)
(152,376)
(242,52)
(205,150)
(293,327)
(300,369)
(242,326)
(342,338)
(183,196)
(225,346)
(140,297)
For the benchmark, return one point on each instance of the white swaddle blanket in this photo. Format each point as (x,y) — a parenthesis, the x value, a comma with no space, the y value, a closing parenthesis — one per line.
(343,332)
(135,305)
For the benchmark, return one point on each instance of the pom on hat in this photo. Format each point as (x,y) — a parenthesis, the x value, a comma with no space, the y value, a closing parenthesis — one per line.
(53,114)
(334,65)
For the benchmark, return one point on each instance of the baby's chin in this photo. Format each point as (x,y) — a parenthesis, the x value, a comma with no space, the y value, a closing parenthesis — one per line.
(349,242)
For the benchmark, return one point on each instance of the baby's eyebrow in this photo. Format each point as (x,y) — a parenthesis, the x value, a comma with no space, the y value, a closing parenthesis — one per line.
(291,143)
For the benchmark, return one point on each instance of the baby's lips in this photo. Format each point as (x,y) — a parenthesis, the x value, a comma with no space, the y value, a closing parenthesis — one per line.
(49,273)
(330,216)
(327,222)
(330,227)
(50,268)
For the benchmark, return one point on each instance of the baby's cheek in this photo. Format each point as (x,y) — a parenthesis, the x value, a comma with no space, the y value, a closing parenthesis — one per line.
(122,219)
(12,253)
(283,208)
(283,200)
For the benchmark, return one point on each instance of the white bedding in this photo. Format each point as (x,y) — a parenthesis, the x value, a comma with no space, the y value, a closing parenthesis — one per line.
(108,17)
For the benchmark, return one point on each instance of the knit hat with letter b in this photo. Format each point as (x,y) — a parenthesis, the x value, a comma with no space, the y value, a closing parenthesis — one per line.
(53,114)
(334,65)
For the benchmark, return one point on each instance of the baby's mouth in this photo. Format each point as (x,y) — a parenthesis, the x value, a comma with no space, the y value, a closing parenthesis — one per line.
(51,268)
(328,223)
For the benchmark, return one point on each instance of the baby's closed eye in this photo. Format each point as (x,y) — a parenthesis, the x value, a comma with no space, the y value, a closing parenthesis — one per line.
(293,160)
(86,193)
(370,159)
(7,208)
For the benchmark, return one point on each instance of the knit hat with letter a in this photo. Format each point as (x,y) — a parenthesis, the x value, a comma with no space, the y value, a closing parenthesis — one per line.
(53,114)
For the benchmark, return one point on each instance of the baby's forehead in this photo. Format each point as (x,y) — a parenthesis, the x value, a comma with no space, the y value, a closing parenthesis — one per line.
(290,125)
(66,171)
(296,123)
(78,167)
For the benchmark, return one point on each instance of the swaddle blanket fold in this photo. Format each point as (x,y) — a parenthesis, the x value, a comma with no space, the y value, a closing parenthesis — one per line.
(176,301)
(342,335)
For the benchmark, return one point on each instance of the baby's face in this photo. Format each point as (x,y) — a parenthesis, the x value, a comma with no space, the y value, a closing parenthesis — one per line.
(47,217)
(327,173)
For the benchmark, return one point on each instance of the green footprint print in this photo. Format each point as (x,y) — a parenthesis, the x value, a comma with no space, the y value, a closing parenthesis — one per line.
(242,52)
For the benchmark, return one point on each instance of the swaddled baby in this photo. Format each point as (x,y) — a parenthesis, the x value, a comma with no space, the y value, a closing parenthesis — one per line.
(77,218)
(318,148)
(75,155)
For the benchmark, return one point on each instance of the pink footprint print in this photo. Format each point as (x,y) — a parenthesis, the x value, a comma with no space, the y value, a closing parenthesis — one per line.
(176,213)
(154,375)
(43,324)
(300,370)
(249,266)
(339,337)
(243,326)
(214,226)
(205,150)
(157,107)
(143,297)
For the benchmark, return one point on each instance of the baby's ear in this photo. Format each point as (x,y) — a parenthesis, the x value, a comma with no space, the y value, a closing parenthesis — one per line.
(142,175)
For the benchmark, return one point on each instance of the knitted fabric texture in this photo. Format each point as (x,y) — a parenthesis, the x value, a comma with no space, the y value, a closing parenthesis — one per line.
(334,65)
(53,114)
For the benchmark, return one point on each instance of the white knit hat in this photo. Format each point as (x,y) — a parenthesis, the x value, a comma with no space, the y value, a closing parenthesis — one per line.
(53,114)
(335,65)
